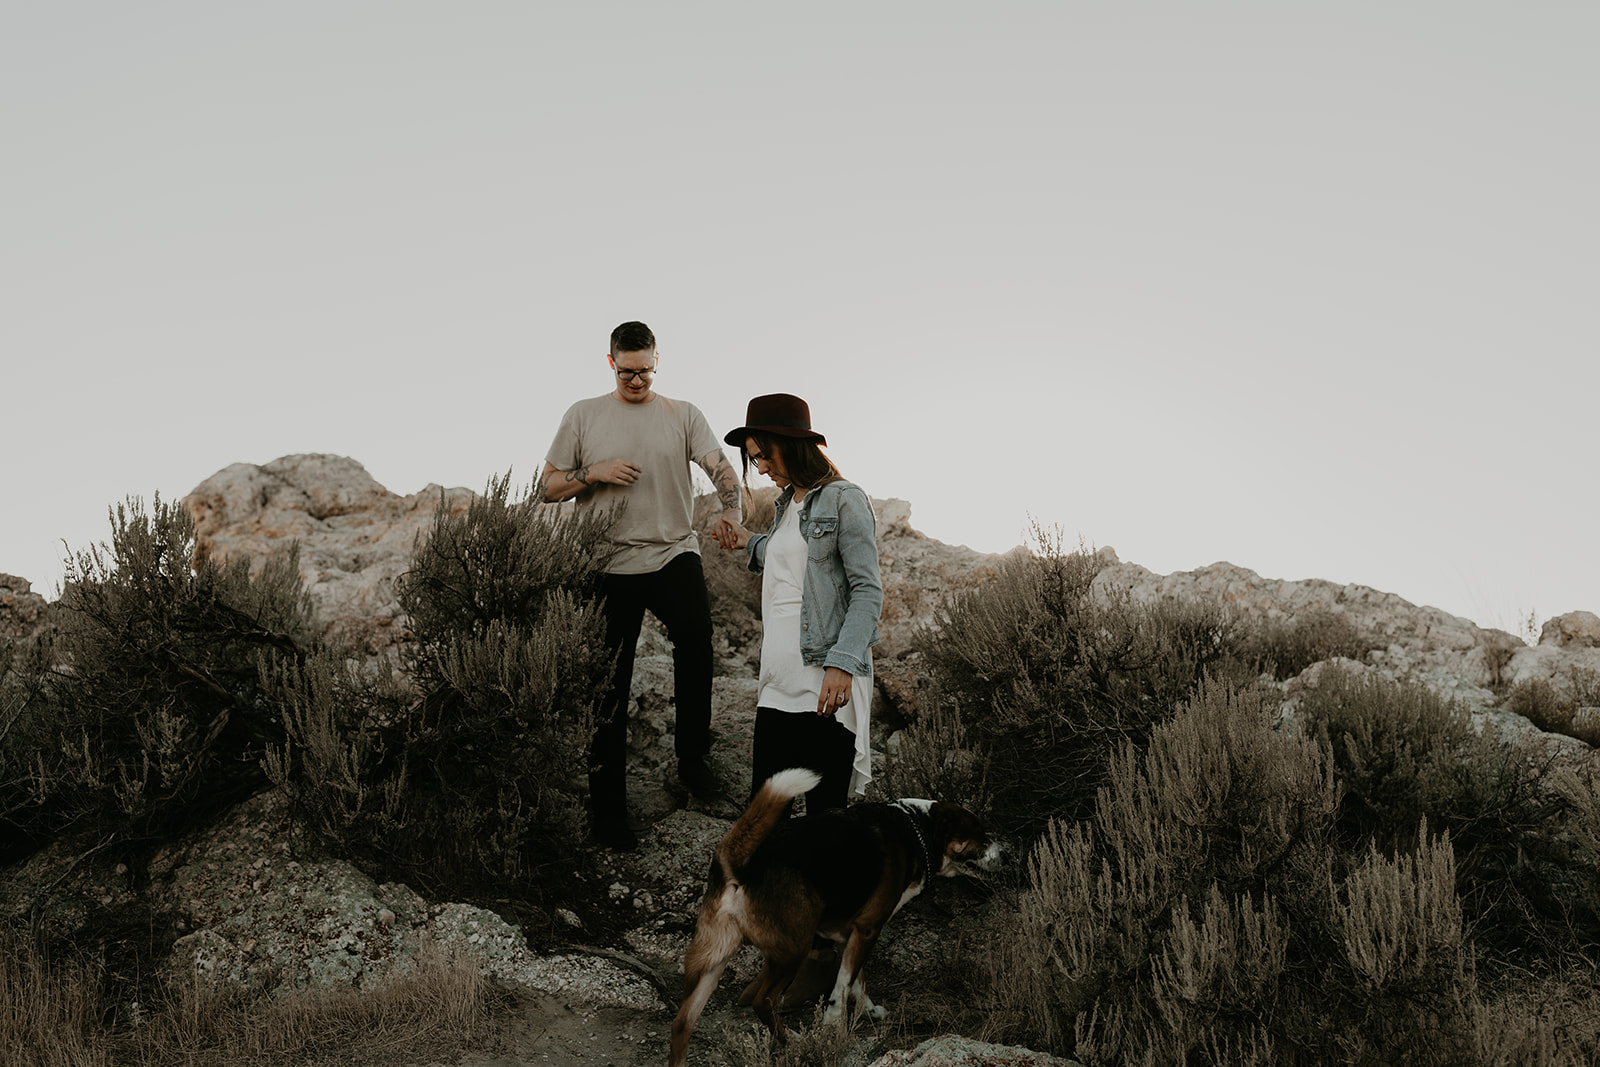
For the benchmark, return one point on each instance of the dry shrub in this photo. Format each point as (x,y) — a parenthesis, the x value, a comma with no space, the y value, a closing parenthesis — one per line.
(934,758)
(28,729)
(1399,748)
(1560,707)
(1405,754)
(1580,791)
(1201,917)
(151,716)
(471,768)
(1284,648)
(1401,928)
(498,562)
(1048,677)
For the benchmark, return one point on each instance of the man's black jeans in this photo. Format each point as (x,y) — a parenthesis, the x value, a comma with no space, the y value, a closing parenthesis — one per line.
(675,594)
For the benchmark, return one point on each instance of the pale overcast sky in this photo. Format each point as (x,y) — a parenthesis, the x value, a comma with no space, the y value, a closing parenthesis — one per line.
(1306,287)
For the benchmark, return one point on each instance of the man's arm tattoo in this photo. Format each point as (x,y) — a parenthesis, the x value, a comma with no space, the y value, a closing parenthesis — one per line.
(542,487)
(720,471)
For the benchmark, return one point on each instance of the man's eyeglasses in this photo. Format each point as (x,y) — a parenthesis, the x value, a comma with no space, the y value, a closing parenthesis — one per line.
(633,375)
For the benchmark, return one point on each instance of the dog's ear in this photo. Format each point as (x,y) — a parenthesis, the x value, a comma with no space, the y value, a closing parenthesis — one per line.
(961,831)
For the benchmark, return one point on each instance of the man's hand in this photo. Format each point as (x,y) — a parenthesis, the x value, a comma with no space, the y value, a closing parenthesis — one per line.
(613,472)
(835,691)
(555,485)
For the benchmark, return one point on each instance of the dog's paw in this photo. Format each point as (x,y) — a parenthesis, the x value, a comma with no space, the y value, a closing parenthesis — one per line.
(866,1009)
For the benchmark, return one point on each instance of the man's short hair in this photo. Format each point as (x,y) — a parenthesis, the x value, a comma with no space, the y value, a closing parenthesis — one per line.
(632,337)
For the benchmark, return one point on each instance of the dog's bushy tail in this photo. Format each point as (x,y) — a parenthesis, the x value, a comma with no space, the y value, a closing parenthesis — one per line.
(768,806)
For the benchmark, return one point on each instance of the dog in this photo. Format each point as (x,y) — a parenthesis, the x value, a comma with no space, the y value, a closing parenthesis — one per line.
(778,883)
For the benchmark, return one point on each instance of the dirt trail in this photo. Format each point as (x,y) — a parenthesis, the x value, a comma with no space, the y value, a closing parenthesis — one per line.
(543,1030)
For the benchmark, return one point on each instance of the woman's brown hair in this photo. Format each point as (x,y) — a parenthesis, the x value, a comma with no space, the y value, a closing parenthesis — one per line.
(804,461)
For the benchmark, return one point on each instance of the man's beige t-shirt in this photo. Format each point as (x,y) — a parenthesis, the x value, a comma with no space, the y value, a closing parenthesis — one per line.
(662,437)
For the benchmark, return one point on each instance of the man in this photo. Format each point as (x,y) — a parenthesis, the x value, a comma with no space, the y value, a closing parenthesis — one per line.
(633,447)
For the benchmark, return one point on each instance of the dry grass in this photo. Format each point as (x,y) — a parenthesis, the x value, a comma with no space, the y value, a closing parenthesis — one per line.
(61,1013)
(811,1042)
(1548,1020)
(50,1010)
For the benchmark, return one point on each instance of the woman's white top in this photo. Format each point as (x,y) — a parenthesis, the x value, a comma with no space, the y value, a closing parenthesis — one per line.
(788,683)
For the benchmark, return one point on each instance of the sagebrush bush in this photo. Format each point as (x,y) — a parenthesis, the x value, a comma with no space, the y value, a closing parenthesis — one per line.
(1405,754)
(497,562)
(151,713)
(1284,648)
(1580,792)
(471,766)
(1048,678)
(935,758)
(1201,917)
(1400,923)
(1399,747)
(1556,707)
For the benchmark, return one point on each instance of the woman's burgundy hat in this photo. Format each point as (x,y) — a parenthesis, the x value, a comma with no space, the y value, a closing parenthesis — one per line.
(779,413)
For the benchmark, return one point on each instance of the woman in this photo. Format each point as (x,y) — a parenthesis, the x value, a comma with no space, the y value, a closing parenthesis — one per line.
(821,595)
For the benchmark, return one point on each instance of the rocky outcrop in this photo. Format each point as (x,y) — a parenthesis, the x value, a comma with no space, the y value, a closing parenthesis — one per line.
(355,536)
(22,611)
(1448,653)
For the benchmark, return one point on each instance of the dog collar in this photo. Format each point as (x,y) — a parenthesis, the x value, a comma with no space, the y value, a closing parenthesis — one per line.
(916,827)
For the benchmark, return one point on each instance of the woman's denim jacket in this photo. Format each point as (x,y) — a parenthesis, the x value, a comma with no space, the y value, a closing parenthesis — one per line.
(841,595)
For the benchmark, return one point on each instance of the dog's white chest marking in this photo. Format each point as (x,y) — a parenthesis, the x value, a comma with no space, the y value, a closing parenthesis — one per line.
(911,891)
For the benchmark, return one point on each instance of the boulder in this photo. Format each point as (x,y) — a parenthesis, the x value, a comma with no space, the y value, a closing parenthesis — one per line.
(1575,629)
(355,536)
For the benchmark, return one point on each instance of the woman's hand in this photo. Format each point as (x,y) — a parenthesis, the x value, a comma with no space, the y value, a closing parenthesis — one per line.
(835,691)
